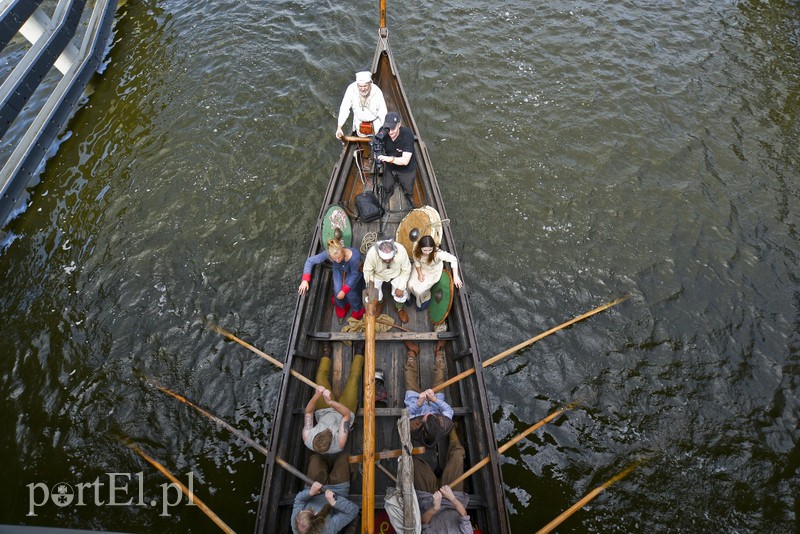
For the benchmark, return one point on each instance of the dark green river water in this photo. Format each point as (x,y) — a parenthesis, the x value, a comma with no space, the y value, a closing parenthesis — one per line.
(584,150)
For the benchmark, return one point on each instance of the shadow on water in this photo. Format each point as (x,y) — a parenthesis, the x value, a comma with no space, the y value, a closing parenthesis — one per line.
(614,148)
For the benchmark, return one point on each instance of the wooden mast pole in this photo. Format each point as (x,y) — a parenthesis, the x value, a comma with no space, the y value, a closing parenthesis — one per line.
(368,465)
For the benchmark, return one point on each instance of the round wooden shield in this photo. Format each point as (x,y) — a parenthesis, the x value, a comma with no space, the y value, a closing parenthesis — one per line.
(335,218)
(441,298)
(425,220)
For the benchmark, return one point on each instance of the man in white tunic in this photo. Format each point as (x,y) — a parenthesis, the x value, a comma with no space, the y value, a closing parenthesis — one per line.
(365,100)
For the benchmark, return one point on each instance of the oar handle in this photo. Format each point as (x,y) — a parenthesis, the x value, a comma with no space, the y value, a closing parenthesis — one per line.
(386,472)
(355,139)
(299,474)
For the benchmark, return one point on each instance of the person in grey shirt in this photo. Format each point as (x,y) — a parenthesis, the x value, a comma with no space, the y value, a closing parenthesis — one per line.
(443,509)
(329,512)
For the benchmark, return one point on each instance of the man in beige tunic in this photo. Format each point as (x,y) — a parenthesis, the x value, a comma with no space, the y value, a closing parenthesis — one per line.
(387,261)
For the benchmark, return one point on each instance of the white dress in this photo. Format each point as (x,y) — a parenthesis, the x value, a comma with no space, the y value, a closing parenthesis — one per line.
(431,273)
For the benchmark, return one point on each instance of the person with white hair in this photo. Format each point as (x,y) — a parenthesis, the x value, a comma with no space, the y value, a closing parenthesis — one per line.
(365,100)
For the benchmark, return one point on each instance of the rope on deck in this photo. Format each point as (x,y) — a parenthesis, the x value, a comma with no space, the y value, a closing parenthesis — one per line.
(366,243)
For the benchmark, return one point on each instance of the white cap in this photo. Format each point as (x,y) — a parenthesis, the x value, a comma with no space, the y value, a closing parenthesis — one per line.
(382,247)
(364,76)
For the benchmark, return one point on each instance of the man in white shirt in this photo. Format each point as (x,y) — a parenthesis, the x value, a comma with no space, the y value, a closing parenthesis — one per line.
(365,100)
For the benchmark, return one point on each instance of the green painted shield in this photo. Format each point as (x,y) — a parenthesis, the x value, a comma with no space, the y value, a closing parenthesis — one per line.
(441,299)
(335,218)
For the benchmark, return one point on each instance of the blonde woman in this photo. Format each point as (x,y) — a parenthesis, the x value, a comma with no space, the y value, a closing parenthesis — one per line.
(322,512)
(348,282)
(428,264)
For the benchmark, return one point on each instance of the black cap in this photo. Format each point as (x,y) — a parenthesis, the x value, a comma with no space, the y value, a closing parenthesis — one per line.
(392,120)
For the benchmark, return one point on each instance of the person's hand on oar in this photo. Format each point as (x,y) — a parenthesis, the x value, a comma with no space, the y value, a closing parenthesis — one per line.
(315,488)
(437,501)
(330,497)
(428,394)
(447,492)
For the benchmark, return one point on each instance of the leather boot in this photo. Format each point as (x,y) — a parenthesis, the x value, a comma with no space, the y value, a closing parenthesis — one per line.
(412,347)
(402,314)
(440,346)
(326,349)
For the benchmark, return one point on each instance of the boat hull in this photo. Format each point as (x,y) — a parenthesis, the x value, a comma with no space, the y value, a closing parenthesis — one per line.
(315,323)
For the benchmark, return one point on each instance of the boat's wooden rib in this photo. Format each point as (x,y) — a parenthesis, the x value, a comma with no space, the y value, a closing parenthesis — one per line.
(315,323)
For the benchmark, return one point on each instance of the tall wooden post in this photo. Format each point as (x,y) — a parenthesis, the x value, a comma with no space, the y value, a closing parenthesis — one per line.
(368,469)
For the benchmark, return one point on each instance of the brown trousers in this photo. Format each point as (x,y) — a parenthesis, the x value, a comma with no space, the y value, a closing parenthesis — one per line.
(424,477)
(412,372)
(320,471)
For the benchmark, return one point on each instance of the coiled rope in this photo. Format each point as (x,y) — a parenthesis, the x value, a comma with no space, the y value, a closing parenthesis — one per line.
(366,243)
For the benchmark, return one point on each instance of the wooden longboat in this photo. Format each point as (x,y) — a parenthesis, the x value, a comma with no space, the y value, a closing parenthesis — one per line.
(315,323)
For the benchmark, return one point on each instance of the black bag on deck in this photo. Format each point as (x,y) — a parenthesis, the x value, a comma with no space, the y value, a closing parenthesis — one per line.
(368,207)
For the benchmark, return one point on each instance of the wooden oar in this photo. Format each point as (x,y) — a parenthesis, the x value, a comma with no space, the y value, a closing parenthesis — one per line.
(591,495)
(186,491)
(386,471)
(302,476)
(532,340)
(264,355)
(472,470)
(260,448)
(385,455)
(355,139)
(394,325)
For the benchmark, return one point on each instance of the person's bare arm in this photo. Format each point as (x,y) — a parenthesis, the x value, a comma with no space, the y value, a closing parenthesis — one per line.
(432,511)
(309,411)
